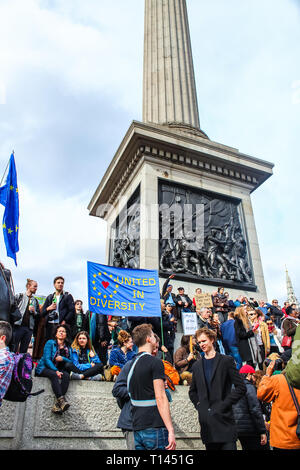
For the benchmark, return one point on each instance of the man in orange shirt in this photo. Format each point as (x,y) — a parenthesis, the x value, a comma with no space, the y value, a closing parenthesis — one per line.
(284,417)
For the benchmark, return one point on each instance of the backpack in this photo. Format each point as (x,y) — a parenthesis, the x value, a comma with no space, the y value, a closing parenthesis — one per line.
(172,375)
(21,381)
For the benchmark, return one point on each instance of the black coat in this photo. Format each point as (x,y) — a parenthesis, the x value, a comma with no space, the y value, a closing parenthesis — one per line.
(66,308)
(187,300)
(242,337)
(102,332)
(215,411)
(248,414)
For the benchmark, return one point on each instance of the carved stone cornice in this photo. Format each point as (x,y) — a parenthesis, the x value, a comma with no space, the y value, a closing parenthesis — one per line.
(174,149)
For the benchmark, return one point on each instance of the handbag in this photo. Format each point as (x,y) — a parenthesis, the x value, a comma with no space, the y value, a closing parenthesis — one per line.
(297,408)
(286,341)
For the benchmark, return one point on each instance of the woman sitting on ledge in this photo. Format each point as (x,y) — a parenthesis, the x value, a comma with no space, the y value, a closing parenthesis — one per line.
(121,354)
(86,363)
(57,354)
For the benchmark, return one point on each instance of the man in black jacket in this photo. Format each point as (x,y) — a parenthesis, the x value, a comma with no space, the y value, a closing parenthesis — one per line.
(183,301)
(59,308)
(213,395)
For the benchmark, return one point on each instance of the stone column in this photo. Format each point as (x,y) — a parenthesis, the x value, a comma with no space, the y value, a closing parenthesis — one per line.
(169,89)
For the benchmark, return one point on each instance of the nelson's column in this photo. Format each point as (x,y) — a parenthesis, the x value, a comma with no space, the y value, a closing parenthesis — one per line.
(173,199)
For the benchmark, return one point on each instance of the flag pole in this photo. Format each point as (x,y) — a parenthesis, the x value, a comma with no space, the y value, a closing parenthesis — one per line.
(162,336)
(6,170)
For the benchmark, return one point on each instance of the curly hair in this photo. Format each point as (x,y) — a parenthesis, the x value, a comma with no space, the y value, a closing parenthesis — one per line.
(123,337)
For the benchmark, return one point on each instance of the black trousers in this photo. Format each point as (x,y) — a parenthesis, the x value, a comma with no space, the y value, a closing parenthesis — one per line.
(59,386)
(91,372)
(221,446)
(21,338)
(252,443)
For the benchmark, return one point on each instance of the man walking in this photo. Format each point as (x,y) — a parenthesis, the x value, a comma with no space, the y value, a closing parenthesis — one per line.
(152,423)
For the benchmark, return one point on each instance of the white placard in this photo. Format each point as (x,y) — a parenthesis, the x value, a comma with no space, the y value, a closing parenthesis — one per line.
(189,323)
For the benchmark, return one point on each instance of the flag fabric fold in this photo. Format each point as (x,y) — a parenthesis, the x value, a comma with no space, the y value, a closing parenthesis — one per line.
(9,198)
(123,292)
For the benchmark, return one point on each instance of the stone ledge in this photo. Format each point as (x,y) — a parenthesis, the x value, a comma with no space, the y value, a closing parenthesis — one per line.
(89,424)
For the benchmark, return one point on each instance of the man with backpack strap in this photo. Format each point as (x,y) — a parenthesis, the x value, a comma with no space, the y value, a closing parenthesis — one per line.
(152,423)
(6,358)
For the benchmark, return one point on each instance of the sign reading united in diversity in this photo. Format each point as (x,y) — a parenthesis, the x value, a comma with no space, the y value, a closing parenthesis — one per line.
(123,292)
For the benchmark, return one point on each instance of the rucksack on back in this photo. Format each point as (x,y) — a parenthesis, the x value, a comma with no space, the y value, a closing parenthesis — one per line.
(21,381)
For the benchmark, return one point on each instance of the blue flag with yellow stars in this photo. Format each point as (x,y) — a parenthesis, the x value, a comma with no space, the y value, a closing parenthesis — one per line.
(123,292)
(9,198)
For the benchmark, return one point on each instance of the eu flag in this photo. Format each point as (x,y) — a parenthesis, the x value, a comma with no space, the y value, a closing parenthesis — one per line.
(9,198)
(123,292)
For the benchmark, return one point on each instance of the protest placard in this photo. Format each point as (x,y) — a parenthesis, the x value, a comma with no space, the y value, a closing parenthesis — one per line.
(203,300)
(189,323)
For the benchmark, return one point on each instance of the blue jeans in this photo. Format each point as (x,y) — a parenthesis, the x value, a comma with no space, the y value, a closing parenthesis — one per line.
(234,352)
(151,439)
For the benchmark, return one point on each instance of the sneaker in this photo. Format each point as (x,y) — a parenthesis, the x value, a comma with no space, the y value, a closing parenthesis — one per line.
(74,376)
(97,377)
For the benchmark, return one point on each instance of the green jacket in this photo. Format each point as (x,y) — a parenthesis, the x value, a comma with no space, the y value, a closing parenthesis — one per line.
(292,369)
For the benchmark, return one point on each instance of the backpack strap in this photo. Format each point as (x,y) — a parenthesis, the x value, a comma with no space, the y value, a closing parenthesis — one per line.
(139,403)
(294,398)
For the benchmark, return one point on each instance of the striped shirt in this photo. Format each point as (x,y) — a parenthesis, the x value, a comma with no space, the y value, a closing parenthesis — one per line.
(6,369)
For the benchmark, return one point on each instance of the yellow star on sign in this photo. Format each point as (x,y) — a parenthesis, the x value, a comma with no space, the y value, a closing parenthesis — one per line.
(3,226)
(11,187)
(9,231)
(17,228)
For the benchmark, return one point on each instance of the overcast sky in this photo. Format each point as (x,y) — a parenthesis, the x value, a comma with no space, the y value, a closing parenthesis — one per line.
(71,84)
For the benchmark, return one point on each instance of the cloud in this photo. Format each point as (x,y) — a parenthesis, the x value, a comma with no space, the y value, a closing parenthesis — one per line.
(71,83)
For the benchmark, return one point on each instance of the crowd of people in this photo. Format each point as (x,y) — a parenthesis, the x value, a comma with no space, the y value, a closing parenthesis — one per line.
(239,359)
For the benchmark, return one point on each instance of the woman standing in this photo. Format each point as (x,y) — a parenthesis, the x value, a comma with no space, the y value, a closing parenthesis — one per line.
(261,331)
(288,327)
(86,363)
(81,319)
(246,341)
(57,353)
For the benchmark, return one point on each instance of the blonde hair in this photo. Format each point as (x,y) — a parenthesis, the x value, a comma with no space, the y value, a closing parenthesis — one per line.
(242,315)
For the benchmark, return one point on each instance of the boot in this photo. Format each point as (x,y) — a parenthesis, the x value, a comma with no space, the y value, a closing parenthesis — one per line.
(56,409)
(64,405)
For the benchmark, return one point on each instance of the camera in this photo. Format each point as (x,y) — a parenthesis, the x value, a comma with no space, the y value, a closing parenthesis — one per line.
(278,363)
(52,316)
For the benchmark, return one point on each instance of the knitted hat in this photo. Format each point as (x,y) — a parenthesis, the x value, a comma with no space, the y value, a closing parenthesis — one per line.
(247,369)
